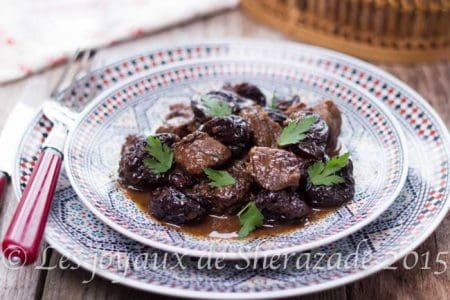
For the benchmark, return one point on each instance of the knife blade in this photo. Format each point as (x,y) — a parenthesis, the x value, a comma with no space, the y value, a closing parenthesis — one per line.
(10,137)
(15,126)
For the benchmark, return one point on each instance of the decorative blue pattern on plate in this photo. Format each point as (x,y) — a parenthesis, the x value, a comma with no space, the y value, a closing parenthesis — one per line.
(413,216)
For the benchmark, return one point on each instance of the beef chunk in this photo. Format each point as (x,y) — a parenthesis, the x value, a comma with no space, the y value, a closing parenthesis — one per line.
(201,111)
(180,179)
(284,206)
(170,205)
(249,91)
(180,110)
(232,131)
(132,171)
(198,150)
(285,104)
(332,116)
(265,131)
(315,142)
(274,169)
(276,115)
(226,199)
(296,107)
(323,196)
(179,121)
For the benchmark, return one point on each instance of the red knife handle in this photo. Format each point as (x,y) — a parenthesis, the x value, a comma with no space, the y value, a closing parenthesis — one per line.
(4,179)
(24,235)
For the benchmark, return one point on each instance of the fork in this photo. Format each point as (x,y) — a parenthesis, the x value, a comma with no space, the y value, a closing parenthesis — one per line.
(23,237)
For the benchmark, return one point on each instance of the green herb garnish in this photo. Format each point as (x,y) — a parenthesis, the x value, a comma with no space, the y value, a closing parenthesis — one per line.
(219,178)
(162,155)
(249,218)
(295,131)
(325,173)
(216,107)
(273,101)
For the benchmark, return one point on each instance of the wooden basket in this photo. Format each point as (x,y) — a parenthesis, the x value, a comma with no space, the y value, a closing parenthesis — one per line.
(401,31)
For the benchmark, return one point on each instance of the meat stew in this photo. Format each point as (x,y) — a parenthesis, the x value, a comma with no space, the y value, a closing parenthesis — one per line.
(236,161)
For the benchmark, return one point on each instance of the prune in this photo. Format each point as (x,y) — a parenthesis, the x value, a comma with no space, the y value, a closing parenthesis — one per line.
(315,141)
(265,131)
(180,179)
(170,205)
(304,164)
(198,150)
(132,171)
(276,115)
(232,131)
(167,138)
(324,196)
(201,111)
(284,206)
(274,169)
(179,121)
(249,91)
(224,199)
(332,116)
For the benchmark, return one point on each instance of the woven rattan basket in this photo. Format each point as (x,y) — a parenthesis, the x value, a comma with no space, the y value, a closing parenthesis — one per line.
(403,31)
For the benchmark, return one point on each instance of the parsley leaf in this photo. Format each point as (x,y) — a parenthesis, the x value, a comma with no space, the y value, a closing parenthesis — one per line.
(249,218)
(273,101)
(162,155)
(324,173)
(219,178)
(216,107)
(295,131)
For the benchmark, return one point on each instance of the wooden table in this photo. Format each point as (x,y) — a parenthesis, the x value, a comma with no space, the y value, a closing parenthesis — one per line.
(55,282)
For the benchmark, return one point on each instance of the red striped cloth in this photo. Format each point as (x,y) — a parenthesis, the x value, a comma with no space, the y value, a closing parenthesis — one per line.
(37,34)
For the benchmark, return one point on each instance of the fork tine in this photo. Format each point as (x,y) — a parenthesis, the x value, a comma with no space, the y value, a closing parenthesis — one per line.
(78,67)
(57,86)
(84,66)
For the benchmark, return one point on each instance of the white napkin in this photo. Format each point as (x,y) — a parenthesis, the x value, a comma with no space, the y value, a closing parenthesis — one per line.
(37,34)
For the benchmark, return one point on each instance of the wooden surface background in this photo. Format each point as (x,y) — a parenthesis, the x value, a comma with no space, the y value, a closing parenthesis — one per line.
(431,80)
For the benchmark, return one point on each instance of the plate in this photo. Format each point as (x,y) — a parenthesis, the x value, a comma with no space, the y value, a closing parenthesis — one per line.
(95,141)
(422,204)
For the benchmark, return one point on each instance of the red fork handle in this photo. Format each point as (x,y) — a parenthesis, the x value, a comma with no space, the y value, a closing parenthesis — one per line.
(4,179)
(24,235)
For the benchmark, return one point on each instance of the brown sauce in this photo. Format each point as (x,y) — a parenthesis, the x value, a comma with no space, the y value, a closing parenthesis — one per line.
(224,226)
